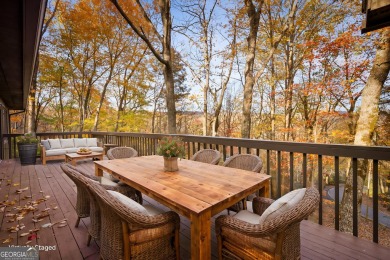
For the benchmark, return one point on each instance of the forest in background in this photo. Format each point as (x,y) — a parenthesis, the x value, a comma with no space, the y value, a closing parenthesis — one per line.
(293,70)
(310,66)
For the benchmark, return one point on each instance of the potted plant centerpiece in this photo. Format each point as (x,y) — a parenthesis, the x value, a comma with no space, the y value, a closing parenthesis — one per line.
(171,148)
(27,147)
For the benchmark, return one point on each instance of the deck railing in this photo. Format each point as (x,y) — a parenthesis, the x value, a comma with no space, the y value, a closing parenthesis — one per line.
(292,165)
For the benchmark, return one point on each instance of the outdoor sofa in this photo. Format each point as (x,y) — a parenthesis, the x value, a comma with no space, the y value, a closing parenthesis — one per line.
(55,149)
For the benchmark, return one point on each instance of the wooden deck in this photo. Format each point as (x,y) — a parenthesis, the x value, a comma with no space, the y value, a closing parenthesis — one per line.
(317,242)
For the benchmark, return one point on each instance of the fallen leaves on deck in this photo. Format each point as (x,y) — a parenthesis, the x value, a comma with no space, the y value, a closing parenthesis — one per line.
(16,228)
(32,236)
(21,190)
(62,223)
(7,240)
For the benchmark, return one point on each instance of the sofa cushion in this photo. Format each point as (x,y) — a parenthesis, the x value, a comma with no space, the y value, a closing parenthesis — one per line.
(95,149)
(80,142)
(71,150)
(67,143)
(131,204)
(248,216)
(55,143)
(46,144)
(91,142)
(53,152)
(283,204)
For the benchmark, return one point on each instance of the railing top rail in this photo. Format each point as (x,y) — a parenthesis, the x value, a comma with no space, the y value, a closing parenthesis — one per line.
(341,150)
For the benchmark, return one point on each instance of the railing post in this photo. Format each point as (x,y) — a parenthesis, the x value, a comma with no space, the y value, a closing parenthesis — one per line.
(337,192)
(304,169)
(291,171)
(355,195)
(320,188)
(375,178)
(279,174)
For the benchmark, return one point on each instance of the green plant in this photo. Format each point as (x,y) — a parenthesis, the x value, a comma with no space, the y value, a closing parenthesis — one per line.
(171,147)
(26,139)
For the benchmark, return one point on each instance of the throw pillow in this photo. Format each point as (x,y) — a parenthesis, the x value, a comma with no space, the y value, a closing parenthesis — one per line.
(55,144)
(46,144)
(283,204)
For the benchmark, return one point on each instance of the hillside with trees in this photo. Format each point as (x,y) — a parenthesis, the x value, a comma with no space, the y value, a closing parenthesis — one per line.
(277,70)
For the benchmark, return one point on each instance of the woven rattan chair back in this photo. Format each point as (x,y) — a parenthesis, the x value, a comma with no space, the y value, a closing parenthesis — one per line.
(82,201)
(127,234)
(81,179)
(247,162)
(207,156)
(121,153)
(275,238)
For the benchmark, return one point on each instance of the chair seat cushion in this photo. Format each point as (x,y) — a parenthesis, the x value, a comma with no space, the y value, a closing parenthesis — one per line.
(283,204)
(108,182)
(152,211)
(110,177)
(131,204)
(248,216)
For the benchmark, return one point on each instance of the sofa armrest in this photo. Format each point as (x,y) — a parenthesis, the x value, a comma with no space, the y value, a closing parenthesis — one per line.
(100,144)
(43,154)
(43,149)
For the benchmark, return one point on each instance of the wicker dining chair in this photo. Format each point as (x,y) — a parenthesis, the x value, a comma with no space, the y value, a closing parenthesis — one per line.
(128,233)
(86,205)
(247,162)
(207,156)
(249,236)
(121,153)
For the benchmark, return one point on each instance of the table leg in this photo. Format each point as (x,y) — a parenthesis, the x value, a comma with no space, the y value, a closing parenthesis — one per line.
(73,162)
(98,171)
(265,190)
(201,235)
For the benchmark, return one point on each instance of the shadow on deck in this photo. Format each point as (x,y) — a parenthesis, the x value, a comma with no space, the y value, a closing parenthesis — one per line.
(50,183)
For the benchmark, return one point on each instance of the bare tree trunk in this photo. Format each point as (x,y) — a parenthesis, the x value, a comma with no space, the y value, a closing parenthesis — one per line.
(61,102)
(31,126)
(155,107)
(31,117)
(254,19)
(166,58)
(365,127)
(206,87)
(289,90)
(102,97)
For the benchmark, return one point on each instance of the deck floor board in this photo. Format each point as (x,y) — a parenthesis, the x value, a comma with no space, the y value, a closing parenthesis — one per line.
(317,242)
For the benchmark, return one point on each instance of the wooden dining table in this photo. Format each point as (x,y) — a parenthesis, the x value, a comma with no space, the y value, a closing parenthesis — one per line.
(197,190)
